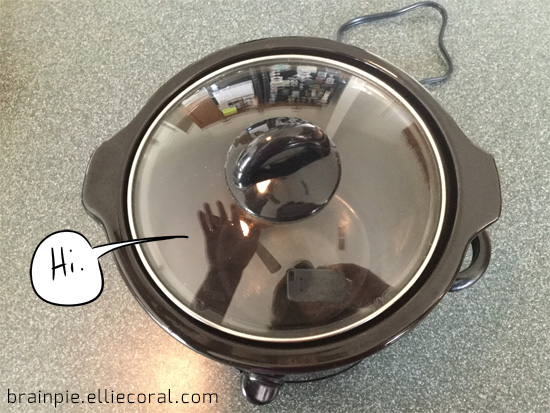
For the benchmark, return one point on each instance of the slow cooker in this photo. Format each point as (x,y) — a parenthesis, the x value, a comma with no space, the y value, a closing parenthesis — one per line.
(328,200)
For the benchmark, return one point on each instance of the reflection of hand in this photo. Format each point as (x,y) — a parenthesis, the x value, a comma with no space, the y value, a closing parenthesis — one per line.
(227,246)
(229,249)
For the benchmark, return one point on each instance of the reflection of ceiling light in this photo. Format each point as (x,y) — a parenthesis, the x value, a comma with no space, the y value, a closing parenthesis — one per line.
(268,138)
(245,228)
(262,186)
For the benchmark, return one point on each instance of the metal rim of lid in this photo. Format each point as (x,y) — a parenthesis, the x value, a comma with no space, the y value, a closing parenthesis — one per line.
(349,68)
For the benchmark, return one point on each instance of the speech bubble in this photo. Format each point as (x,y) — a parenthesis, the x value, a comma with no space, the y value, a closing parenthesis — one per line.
(65,269)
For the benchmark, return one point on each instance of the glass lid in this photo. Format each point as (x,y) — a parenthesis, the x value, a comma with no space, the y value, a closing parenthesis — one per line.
(312,194)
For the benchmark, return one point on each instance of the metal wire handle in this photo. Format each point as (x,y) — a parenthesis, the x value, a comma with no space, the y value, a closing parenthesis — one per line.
(394,13)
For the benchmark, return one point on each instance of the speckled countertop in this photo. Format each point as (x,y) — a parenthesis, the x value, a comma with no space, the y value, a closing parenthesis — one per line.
(72,73)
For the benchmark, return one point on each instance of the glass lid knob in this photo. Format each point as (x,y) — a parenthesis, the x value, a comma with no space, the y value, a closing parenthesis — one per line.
(283,169)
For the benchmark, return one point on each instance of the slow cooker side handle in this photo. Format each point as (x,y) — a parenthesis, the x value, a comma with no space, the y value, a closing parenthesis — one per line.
(481,256)
(103,182)
(480,205)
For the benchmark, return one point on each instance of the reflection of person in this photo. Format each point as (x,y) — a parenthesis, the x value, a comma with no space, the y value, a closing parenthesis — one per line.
(229,249)
(230,245)
(362,288)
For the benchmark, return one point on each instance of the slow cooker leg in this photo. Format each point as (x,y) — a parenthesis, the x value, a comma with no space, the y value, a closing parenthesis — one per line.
(260,389)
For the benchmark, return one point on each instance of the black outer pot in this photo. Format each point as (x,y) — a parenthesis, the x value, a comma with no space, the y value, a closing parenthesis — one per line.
(474,202)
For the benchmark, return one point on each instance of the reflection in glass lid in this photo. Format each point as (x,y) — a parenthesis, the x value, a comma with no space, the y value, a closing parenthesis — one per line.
(312,194)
